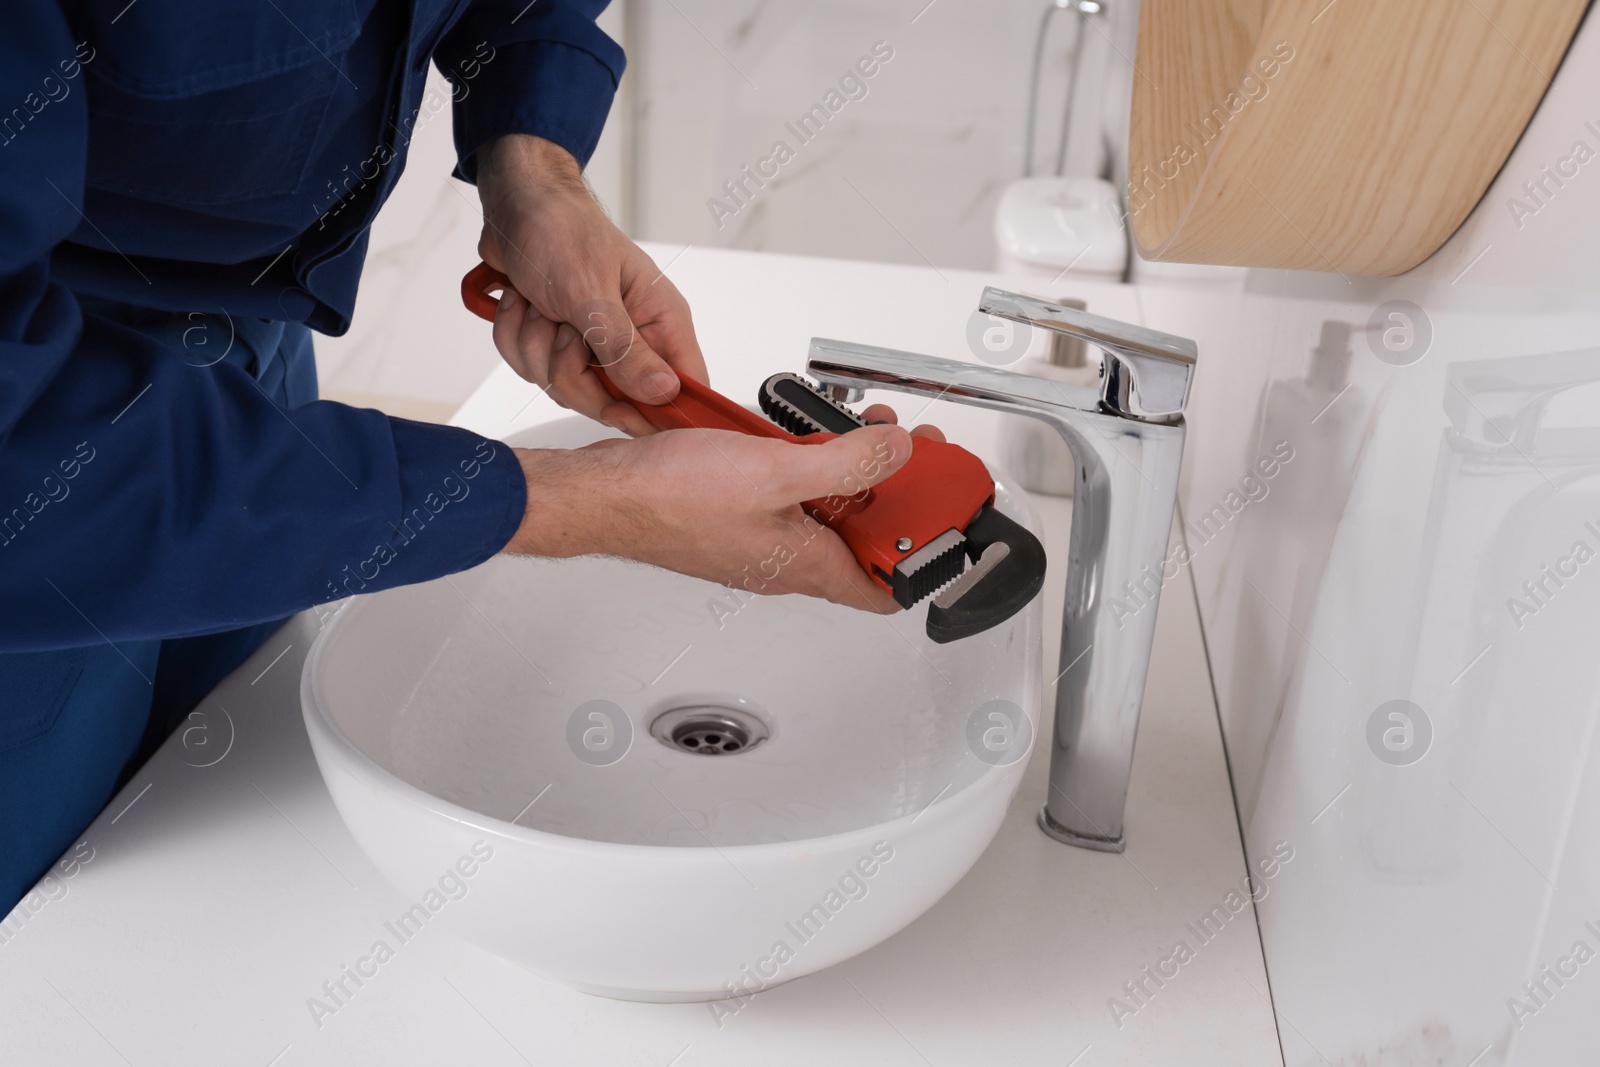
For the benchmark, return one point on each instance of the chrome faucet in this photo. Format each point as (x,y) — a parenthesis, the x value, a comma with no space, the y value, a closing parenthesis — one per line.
(1126,439)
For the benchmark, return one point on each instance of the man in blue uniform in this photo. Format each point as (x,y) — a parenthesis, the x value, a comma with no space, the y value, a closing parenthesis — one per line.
(185,193)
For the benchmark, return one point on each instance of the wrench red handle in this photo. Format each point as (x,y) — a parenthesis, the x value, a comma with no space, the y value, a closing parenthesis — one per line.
(941,487)
(695,405)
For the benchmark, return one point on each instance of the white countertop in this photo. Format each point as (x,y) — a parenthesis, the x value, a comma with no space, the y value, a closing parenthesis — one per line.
(223,890)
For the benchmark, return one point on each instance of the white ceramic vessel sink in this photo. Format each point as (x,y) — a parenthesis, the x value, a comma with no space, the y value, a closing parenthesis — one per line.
(475,735)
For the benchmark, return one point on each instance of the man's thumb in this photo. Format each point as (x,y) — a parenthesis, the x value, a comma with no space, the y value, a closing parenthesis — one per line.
(631,364)
(851,463)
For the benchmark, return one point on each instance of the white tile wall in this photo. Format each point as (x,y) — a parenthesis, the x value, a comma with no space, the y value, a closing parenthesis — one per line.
(1384,563)
(909,173)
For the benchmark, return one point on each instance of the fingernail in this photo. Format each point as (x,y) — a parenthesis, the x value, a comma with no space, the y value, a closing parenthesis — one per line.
(660,383)
(508,298)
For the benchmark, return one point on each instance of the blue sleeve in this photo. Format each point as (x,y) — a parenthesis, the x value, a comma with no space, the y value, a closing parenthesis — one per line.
(142,496)
(542,68)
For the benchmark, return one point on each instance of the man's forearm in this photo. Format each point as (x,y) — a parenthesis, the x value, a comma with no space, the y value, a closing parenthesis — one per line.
(571,505)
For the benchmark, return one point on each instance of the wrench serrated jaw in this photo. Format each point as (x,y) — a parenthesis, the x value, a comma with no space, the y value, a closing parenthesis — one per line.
(991,558)
(929,568)
(1008,572)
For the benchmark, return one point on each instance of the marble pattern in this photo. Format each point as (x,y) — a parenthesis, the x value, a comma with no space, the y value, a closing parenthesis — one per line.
(910,172)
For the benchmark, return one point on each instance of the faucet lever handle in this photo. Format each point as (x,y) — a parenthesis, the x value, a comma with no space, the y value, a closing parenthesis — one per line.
(1148,372)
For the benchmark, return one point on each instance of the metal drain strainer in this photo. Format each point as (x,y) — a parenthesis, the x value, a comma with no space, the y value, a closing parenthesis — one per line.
(709,729)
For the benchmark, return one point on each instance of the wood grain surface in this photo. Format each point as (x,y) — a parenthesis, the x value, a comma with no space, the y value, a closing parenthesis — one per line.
(1351,136)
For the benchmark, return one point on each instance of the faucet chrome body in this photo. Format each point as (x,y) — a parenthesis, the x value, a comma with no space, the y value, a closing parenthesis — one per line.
(1127,445)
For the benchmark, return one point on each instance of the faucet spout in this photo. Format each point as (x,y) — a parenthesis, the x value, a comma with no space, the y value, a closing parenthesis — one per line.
(1126,440)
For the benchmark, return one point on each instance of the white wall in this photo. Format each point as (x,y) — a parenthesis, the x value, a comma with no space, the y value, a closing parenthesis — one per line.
(910,173)
(1382,565)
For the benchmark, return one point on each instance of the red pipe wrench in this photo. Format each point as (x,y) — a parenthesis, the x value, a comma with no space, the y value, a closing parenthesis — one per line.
(913,533)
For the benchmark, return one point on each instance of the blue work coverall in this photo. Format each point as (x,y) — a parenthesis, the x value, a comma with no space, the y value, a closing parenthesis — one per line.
(185,192)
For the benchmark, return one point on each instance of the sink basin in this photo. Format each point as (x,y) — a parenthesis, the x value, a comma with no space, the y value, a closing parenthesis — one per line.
(642,786)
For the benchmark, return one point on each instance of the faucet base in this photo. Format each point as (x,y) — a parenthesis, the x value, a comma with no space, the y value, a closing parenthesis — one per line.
(1074,838)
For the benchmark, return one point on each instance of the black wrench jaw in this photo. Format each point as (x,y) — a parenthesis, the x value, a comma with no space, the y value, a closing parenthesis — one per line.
(1007,573)
(799,407)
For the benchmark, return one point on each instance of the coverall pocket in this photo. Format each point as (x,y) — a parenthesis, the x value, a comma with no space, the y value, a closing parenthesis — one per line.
(34,687)
(235,120)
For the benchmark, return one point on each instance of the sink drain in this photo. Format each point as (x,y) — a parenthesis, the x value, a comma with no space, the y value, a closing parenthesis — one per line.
(709,729)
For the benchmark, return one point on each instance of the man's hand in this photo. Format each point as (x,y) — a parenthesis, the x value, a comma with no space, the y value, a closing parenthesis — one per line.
(714,504)
(581,286)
